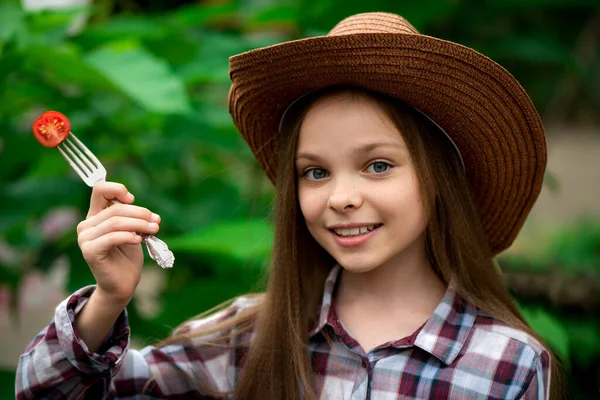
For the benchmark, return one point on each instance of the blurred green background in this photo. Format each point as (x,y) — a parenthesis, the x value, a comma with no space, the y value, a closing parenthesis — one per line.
(145,84)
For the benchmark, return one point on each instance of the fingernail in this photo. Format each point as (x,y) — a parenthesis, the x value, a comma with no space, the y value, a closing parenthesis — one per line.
(153,225)
(130,197)
(155,217)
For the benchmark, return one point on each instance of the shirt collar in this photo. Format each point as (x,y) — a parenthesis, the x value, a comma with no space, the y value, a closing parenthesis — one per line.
(323,313)
(444,333)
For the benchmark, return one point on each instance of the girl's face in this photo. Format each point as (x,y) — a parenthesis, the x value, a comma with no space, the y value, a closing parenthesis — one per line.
(357,185)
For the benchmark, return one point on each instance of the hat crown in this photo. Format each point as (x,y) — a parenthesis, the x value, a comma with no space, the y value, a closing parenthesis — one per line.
(374,22)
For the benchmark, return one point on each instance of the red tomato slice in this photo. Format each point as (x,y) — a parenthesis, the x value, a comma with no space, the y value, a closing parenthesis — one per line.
(51,128)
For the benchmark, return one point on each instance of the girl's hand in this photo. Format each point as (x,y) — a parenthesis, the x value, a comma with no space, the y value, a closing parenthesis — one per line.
(110,244)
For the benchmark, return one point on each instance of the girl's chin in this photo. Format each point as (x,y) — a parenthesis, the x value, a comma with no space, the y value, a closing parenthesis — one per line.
(357,267)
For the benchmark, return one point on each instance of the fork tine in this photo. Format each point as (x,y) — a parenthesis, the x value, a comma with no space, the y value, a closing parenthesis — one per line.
(73,165)
(82,157)
(77,159)
(87,151)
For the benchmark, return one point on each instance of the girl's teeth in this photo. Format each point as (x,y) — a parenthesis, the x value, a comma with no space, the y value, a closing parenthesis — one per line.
(355,231)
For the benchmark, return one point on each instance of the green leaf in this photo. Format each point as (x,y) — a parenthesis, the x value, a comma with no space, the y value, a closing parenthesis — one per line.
(540,48)
(537,4)
(10,276)
(147,80)
(198,296)
(80,274)
(280,14)
(210,126)
(584,336)
(576,247)
(7,383)
(56,19)
(199,15)
(125,26)
(211,63)
(175,47)
(549,328)
(241,239)
(324,14)
(13,218)
(54,62)
(20,150)
(11,20)
(32,193)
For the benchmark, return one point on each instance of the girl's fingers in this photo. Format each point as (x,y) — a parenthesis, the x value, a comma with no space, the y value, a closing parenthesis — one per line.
(117,210)
(103,193)
(118,224)
(103,244)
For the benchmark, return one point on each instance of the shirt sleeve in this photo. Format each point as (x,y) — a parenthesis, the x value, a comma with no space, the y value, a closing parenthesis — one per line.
(57,364)
(539,385)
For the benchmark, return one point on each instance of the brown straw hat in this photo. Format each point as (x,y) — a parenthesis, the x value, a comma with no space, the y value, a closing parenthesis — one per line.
(479,104)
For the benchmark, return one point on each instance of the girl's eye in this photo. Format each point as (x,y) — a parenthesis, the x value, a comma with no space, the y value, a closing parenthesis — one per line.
(314,174)
(378,167)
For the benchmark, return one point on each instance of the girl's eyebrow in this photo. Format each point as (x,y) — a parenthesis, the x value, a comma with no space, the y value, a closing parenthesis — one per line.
(359,150)
(372,146)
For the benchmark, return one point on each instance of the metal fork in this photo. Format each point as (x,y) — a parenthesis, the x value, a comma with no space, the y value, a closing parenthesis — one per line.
(91,170)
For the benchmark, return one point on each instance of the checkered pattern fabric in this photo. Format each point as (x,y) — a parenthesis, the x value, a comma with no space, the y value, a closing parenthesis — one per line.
(459,353)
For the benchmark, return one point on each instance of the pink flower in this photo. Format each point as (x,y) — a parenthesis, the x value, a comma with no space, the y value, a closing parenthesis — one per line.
(58,221)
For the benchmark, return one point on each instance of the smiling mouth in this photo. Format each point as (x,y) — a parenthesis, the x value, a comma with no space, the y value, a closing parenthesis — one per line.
(349,232)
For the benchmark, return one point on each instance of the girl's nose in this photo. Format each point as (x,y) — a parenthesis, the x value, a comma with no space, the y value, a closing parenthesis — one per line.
(343,199)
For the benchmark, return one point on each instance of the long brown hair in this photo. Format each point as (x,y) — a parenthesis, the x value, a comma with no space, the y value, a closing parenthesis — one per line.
(277,365)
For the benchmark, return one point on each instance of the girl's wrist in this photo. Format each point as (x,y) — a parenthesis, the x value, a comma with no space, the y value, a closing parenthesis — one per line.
(96,319)
(108,302)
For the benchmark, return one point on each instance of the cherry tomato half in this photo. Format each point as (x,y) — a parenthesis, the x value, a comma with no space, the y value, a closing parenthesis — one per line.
(51,128)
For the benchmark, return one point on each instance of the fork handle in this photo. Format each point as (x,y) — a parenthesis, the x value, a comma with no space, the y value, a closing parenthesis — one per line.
(157,249)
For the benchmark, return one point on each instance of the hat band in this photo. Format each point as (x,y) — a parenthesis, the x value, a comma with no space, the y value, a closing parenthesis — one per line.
(283,116)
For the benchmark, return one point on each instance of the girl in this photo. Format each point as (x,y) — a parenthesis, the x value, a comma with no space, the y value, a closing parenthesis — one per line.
(382,284)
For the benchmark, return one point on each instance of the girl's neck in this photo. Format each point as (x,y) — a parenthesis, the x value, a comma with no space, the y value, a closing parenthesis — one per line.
(389,302)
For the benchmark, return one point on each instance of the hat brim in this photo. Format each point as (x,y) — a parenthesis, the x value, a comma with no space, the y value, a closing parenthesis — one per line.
(478,103)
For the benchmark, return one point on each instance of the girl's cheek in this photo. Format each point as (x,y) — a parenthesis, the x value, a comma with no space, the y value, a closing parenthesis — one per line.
(305,203)
(312,203)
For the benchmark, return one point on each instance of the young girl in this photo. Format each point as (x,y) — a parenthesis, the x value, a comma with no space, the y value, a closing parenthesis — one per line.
(382,284)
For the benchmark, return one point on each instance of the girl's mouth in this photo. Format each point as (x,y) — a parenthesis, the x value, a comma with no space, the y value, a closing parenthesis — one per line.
(355,236)
(349,232)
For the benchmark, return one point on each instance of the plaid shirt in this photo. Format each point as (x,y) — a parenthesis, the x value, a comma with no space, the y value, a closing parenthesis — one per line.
(459,353)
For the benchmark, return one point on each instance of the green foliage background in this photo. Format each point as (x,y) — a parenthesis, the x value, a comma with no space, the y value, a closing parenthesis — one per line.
(145,87)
